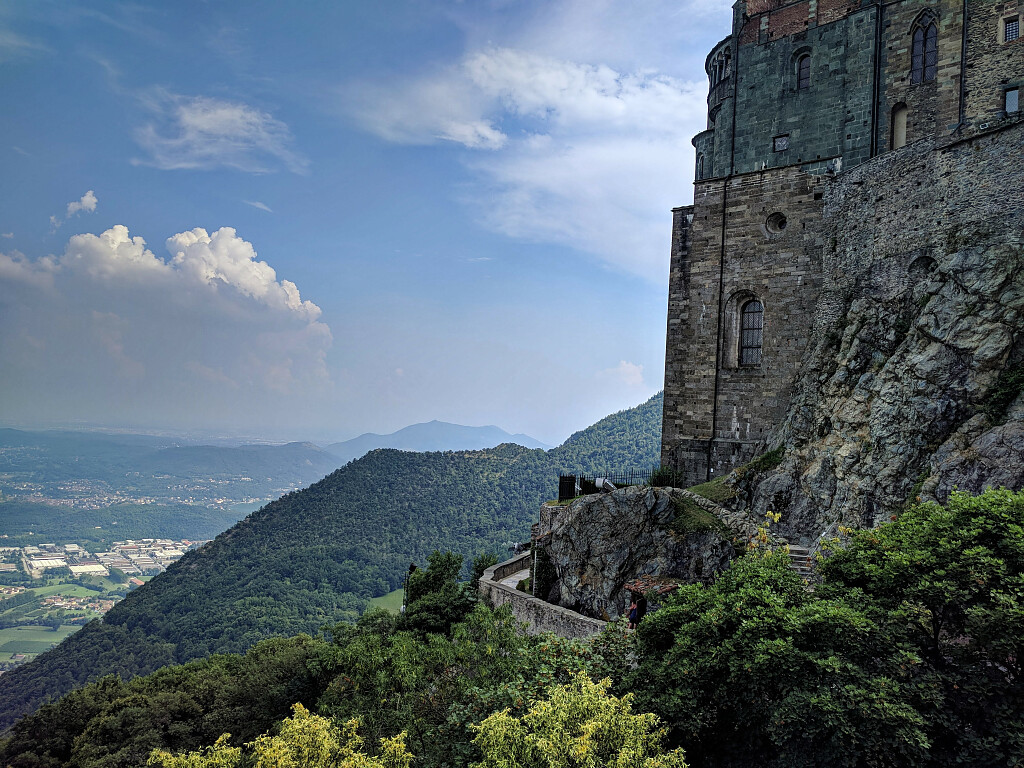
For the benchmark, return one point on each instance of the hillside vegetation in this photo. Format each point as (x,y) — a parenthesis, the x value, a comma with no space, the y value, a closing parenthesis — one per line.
(906,655)
(314,557)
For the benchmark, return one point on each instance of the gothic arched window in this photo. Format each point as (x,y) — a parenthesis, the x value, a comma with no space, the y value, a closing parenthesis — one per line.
(924,53)
(803,72)
(700,167)
(751,332)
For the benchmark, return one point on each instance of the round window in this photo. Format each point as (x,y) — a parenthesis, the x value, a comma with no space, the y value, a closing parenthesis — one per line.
(776,223)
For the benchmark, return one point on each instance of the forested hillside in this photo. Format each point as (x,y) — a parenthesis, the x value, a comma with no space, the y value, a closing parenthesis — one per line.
(629,439)
(314,556)
(907,654)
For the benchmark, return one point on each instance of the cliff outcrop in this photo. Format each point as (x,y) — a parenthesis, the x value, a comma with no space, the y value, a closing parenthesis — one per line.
(911,386)
(599,543)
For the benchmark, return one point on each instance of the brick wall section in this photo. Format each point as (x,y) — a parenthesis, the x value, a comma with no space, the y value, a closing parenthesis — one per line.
(538,615)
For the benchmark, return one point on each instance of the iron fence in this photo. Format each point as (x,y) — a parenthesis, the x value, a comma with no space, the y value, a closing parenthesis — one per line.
(572,485)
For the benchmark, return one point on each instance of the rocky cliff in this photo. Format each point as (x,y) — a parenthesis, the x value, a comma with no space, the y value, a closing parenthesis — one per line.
(912,384)
(599,543)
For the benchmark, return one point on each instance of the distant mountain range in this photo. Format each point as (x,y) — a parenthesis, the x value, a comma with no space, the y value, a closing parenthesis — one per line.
(431,436)
(314,556)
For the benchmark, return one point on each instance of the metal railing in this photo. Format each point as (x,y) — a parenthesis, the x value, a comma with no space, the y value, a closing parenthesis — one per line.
(572,485)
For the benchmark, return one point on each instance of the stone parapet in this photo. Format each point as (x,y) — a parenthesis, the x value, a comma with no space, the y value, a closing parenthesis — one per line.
(538,615)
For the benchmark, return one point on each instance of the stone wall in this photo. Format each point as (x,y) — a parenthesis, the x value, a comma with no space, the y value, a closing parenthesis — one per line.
(719,414)
(707,391)
(538,615)
(921,314)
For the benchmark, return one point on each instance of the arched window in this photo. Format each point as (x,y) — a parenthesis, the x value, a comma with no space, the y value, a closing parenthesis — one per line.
(924,53)
(751,332)
(803,72)
(700,167)
(898,136)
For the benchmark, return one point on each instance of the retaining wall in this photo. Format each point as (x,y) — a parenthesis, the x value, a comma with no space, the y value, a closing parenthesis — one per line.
(538,615)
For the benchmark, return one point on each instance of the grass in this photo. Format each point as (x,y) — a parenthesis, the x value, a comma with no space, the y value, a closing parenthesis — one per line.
(32,639)
(392,601)
(714,490)
(692,518)
(70,590)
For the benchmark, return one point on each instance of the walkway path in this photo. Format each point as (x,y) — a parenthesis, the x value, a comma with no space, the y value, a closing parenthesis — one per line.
(515,578)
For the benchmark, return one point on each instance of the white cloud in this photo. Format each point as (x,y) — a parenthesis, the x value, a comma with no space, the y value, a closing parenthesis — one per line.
(7,235)
(626,374)
(580,154)
(14,46)
(86,203)
(110,331)
(258,204)
(201,133)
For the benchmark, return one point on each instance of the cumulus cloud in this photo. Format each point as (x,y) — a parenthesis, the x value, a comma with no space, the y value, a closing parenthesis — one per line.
(202,133)
(86,203)
(111,330)
(578,154)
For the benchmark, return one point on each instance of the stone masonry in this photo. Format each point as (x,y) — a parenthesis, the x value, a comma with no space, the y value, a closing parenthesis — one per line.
(802,93)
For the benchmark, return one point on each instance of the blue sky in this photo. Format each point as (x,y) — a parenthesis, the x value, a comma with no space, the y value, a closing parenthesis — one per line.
(311,220)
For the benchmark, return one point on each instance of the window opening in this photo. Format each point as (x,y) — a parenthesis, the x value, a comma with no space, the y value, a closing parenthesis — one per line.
(1012,101)
(751,332)
(899,126)
(780,143)
(924,57)
(775,223)
(700,167)
(803,73)
(1011,30)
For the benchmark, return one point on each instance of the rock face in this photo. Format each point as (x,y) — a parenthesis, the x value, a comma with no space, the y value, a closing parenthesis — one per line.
(598,543)
(912,383)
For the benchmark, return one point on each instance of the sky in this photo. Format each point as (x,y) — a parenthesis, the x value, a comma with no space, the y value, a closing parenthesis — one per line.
(305,221)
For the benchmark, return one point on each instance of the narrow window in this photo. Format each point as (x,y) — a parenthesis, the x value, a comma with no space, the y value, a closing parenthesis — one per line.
(780,143)
(1012,101)
(751,332)
(931,52)
(1011,29)
(700,167)
(924,53)
(803,73)
(899,126)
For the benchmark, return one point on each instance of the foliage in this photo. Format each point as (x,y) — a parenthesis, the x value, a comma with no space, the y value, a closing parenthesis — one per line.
(765,462)
(950,583)
(577,724)
(314,557)
(1008,388)
(305,741)
(906,654)
(625,440)
(665,477)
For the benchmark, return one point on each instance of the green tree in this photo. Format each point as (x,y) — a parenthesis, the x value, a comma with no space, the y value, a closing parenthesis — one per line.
(756,670)
(578,725)
(949,582)
(305,741)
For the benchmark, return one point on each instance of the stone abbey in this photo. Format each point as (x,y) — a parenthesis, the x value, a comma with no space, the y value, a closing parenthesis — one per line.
(847,142)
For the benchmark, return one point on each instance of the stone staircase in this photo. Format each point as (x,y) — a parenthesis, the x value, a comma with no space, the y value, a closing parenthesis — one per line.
(801,561)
